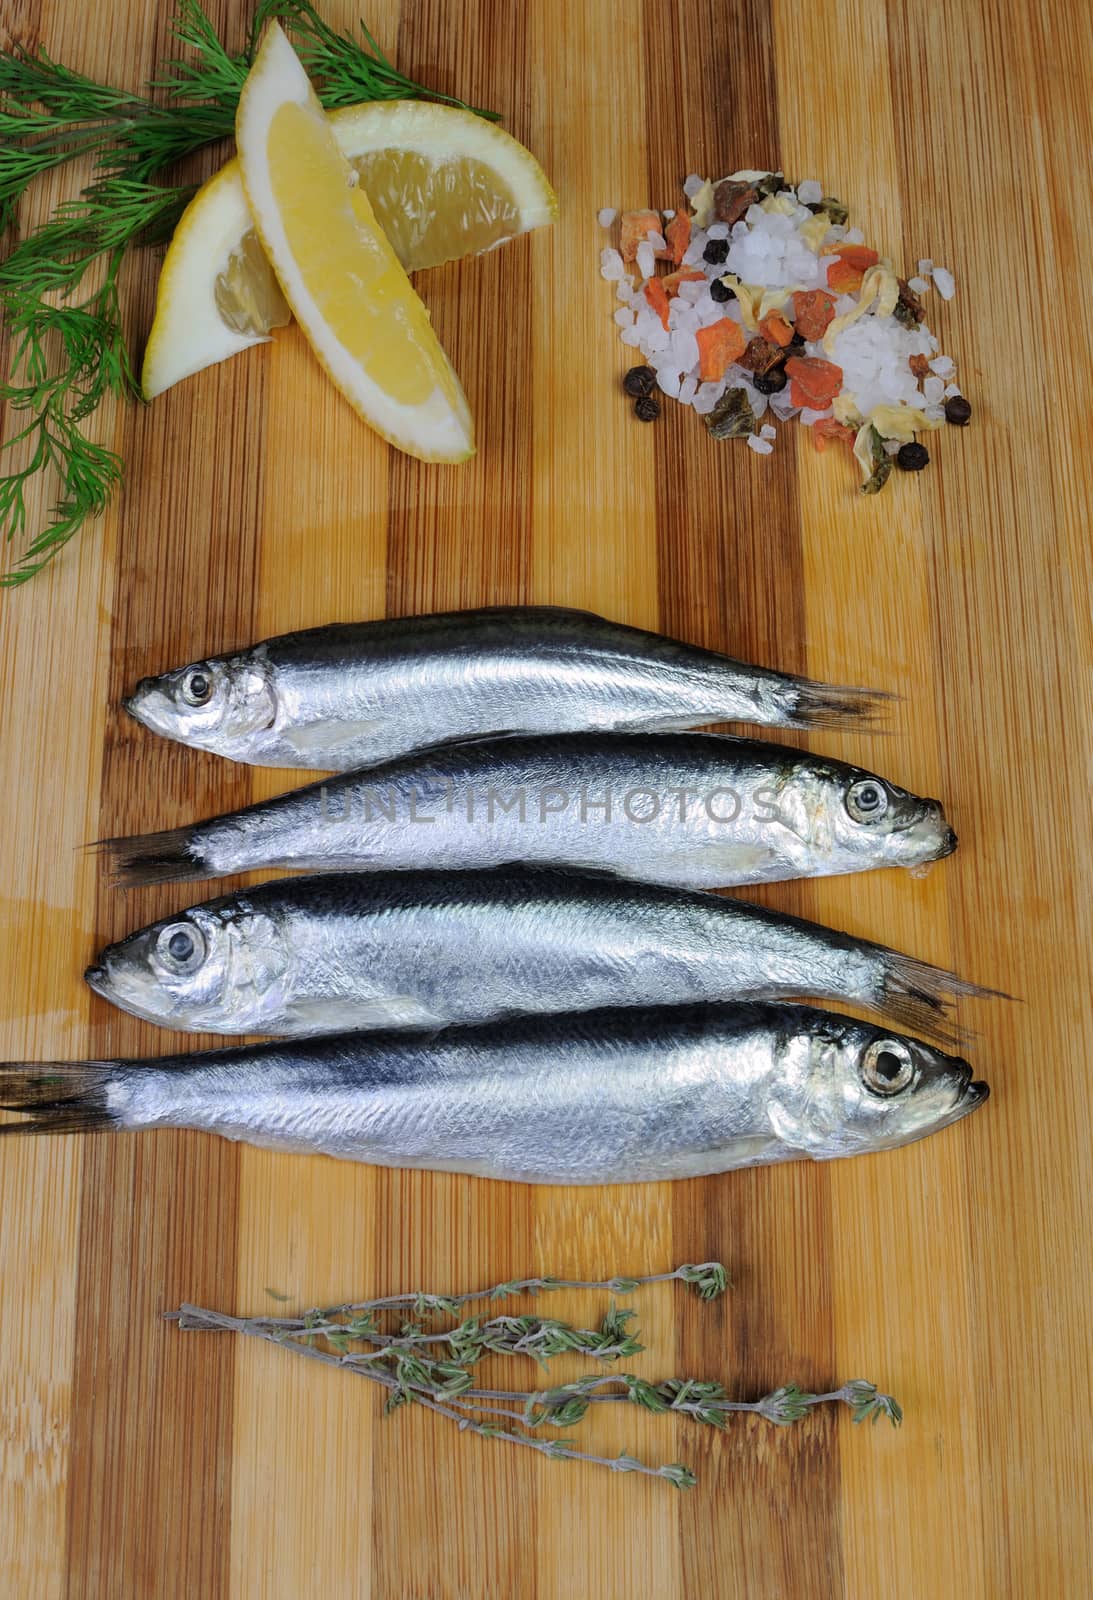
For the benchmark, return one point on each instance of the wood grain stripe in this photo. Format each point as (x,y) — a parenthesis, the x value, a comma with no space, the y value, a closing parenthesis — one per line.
(730,567)
(1007,499)
(595,546)
(149,1493)
(459,536)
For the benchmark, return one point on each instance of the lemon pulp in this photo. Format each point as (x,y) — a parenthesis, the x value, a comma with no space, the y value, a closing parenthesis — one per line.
(351,272)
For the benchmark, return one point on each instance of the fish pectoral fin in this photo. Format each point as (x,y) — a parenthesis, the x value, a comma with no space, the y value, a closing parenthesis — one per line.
(725,864)
(757,1150)
(382,1011)
(311,736)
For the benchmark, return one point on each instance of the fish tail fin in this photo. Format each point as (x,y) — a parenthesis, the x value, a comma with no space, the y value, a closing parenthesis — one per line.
(144,858)
(57,1096)
(835,705)
(918,995)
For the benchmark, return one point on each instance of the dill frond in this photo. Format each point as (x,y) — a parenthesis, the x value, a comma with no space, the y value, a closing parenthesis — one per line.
(50,115)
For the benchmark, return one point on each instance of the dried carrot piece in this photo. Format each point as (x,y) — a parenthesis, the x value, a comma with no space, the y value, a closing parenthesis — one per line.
(775,329)
(683,275)
(678,235)
(813,383)
(814,309)
(719,345)
(828,428)
(843,277)
(857,255)
(636,226)
(657,297)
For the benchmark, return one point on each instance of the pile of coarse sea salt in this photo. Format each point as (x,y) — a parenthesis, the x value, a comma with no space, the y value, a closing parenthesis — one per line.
(760,302)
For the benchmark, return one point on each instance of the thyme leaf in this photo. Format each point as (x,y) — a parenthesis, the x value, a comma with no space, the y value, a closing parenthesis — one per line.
(421,1364)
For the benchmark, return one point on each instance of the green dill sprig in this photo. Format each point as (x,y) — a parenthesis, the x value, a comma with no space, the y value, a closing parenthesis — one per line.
(49,115)
(417,1363)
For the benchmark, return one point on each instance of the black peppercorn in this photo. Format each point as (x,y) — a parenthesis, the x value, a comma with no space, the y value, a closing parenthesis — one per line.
(639,381)
(647,408)
(772,382)
(716,251)
(795,344)
(721,292)
(912,457)
(958,411)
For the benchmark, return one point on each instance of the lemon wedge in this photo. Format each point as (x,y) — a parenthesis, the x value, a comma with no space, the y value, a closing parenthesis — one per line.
(344,283)
(443,184)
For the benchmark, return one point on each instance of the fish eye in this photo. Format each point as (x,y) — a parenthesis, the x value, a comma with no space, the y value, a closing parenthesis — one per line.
(867,800)
(181,947)
(887,1067)
(197,686)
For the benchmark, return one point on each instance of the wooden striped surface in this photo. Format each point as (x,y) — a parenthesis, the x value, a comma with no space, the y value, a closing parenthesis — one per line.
(136,1461)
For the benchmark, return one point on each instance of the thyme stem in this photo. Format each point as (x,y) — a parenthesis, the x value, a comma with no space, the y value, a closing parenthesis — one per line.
(433,1368)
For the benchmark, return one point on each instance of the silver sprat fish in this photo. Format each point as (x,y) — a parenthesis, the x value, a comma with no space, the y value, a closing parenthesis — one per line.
(429,949)
(697,810)
(606,1097)
(352,694)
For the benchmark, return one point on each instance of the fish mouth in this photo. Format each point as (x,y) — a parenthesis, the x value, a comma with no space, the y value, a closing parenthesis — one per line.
(95,978)
(948,842)
(971,1093)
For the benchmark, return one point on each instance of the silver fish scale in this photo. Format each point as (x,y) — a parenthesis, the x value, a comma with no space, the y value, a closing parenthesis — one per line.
(609,1097)
(699,810)
(425,949)
(354,693)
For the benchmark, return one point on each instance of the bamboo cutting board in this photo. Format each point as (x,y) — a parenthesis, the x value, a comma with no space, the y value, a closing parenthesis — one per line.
(136,1461)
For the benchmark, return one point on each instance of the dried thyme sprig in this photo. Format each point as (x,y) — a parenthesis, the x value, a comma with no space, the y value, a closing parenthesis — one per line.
(419,1364)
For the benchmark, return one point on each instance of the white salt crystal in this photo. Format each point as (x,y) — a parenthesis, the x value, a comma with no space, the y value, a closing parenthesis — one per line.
(944,283)
(630,336)
(612,265)
(925,267)
(684,349)
(624,317)
(759,402)
(691,293)
(767,432)
(810,193)
(668,380)
(707,396)
(935,413)
(687,390)
(606,217)
(809,416)
(693,253)
(944,366)
(918,285)
(658,241)
(762,447)
(667,215)
(891,447)
(951,389)
(625,291)
(855,236)
(646,260)
(718,230)
(692,184)
(933,389)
